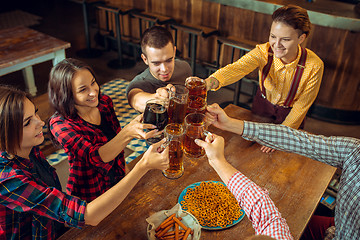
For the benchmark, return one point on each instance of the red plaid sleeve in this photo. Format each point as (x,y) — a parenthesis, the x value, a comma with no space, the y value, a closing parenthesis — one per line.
(260,209)
(89,175)
(77,142)
(22,194)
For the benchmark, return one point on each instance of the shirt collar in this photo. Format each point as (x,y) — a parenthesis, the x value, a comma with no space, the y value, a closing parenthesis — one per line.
(23,163)
(278,64)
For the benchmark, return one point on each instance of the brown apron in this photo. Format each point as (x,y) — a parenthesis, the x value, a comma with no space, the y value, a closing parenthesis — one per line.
(261,106)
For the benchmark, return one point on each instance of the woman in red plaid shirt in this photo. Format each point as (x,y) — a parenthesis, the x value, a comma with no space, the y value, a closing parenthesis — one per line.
(86,126)
(32,205)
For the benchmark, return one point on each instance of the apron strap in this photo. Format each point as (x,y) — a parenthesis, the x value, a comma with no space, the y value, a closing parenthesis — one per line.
(297,77)
(296,80)
(265,71)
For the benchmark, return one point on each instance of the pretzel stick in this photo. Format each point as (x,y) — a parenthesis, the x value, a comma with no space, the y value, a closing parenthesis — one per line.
(176,231)
(172,237)
(164,222)
(187,233)
(162,232)
(180,223)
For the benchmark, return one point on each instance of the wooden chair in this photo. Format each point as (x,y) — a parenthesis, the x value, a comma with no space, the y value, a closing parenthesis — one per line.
(113,14)
(88,52)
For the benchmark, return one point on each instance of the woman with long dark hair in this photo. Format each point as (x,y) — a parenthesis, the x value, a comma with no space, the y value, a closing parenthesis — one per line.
(32,205)
(86,126)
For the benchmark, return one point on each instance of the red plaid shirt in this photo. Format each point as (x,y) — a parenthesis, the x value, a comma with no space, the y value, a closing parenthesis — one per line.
(28,206)
(260,209)
(89,176)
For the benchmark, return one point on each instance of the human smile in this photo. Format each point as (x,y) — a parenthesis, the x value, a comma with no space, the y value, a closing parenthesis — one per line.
(164,75)
(93,100)
(40,134)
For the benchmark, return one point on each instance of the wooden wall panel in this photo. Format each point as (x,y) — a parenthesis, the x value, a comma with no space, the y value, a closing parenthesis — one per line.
(339,49)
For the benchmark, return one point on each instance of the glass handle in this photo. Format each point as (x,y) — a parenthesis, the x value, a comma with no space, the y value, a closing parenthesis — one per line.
(209,135)
(165,145)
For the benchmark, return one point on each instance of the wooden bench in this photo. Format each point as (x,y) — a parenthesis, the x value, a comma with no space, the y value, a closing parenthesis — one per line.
(21,48)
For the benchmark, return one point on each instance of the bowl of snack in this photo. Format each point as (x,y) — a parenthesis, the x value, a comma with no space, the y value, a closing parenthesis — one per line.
(213,205)
(173,224)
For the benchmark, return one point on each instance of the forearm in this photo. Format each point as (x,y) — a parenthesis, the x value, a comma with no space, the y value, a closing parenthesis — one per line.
(237,70)
(330,150)
(234,125)
(115,146)
(260,209)
(102,206)
(138,98)
(224,169)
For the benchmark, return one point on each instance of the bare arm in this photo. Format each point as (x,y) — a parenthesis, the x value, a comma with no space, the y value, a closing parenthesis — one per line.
(102,206)
(135,129)
(137,98)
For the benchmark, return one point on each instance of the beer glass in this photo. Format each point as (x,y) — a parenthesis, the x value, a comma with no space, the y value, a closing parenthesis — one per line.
(155,113)
(197,94)
(174,133)
(195,128)
(177,104)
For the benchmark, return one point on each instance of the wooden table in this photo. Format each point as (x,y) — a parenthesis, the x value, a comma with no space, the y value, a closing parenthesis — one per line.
(295,184)
(21,47)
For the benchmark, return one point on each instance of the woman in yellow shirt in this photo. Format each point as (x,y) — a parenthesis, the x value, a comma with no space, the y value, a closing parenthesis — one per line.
(289,75)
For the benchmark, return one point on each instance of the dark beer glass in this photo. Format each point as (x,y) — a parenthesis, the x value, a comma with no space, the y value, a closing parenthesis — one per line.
(155,113)
(177,104)
(174,133)
(197,94)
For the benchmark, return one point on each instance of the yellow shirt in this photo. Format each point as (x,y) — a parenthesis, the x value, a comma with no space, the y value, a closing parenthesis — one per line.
(278,82)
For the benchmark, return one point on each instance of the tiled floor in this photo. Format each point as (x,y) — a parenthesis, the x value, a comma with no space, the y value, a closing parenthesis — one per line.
(63,19)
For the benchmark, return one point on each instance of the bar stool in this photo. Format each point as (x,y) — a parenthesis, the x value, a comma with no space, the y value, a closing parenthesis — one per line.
(88,52)
(194,31)
(151,19)
(243,46)
(117,11)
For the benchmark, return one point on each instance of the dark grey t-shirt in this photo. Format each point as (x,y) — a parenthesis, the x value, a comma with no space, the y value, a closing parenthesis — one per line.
(146,81)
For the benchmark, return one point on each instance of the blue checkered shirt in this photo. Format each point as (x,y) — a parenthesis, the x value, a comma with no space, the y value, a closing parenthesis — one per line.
(340,152)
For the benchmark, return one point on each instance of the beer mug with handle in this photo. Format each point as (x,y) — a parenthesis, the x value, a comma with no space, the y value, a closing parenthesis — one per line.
(195,128)
(178,95)
(174,133)
(197,94)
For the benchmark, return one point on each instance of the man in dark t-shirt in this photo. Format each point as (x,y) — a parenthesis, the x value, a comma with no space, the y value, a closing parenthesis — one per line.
(158,52)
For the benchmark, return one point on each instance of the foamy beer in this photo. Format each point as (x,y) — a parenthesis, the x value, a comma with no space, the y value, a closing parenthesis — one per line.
(197,94)
(195,128)
(174,133)
(177,104)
